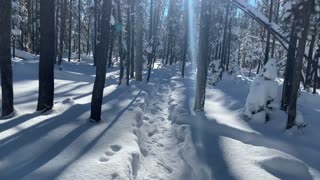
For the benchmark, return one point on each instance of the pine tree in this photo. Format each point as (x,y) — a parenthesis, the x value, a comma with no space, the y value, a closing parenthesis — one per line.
(139,43)
(202,62)
(47,55)
(5,58)
(101,60)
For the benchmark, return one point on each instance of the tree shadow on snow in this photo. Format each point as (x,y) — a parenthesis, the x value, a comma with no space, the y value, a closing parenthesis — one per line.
(24,166)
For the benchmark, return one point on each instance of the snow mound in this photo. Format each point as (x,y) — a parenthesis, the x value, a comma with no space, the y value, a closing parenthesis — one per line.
(61,106)
(285,168)
(270,69)
(189,153)
(262,97)
(25,55)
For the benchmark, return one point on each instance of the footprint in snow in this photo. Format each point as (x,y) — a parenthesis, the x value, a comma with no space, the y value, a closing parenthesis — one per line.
(115,148)
(104,159)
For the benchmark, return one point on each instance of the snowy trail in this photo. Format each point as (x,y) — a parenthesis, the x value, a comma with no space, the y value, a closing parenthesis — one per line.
(162,159)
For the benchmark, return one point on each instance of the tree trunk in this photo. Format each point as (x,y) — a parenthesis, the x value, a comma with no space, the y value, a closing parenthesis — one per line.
(101,60)
(202,65)
(224,42)
(276,21)
(57,30)
(5,58)
(128,56)
(62,29)
(79,30)
(47,54)
(95,30)
(120,42)
(315,67)
(70,30)
(266,55)
(132,38)
(111,48)
(310,57)
(305,16)
(139,41)
(289,68)
(185,39)
(150,43)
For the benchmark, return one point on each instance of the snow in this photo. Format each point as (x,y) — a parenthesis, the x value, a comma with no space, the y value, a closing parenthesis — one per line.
(112,20)
(262,97)
(150,131)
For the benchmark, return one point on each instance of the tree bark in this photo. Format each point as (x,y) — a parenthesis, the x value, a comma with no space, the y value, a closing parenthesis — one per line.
(310,58)
(202,64)
(132,38)
(266,55)
(79,30)
(139,41)
(316,67)
(185,39)
(62,29)
(120,43)
(128,56)
(289,68)
(70,31)
(47,55)
(305,17)
(224,42)
(101,60)
(5,58)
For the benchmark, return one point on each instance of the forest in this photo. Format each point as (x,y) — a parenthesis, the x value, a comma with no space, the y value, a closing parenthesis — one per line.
(159,89)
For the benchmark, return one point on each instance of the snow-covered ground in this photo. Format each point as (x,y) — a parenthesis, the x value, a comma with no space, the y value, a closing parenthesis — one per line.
(149,131)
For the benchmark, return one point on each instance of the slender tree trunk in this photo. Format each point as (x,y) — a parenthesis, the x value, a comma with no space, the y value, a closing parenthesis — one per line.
(185,39)
(289,68)
(57,30)
(111,43)
(120,42)
(266,55)
(47,54)
(276,21)
(128,56)
(88,36)
(13,46)
(102,46)
(5,58)
(305,17)
(150,41)
(316,67)
(224,42)
(37,27)
(310,58)
(132,38)
(139,41)
(70,30)
(95,30)
(154,42)
(111,47)
(62,29)
(33,26)
(79,30)
(202,64)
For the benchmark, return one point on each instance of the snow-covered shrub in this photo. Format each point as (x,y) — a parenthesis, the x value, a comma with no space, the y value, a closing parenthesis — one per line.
(263,93)
(214,72)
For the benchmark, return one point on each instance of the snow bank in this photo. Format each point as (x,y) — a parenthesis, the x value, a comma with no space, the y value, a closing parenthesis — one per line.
(25,55)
